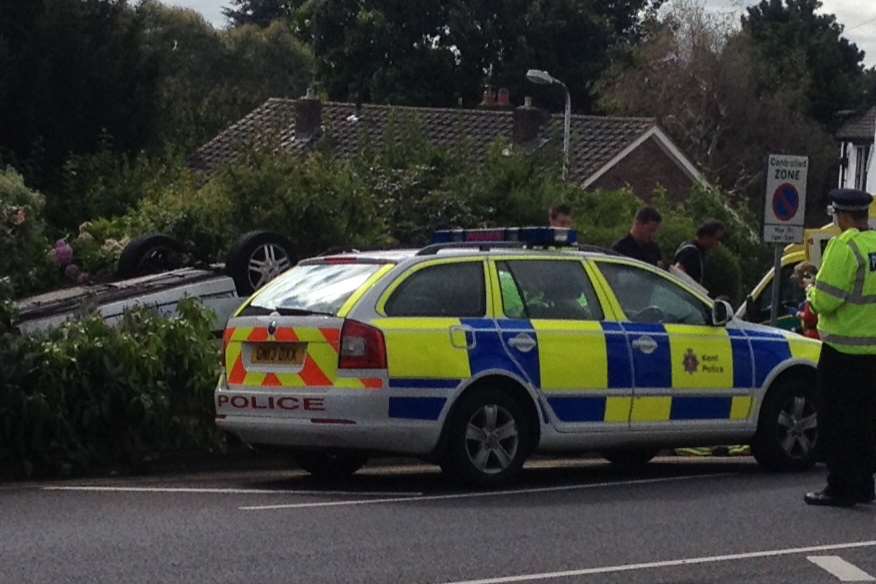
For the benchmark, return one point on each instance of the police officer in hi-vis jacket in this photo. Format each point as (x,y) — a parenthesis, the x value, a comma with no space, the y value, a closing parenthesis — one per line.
(844,297)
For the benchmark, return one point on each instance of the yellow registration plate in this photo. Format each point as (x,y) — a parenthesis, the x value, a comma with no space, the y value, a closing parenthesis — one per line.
(279,353)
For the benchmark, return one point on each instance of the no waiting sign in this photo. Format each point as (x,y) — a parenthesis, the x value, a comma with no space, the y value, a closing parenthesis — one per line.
(785,205)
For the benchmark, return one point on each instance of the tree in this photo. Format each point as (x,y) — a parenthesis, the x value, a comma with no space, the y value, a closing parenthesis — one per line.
(258,12)
(797,47)
(210,79)
(698,75)
(72,69)
(436,52)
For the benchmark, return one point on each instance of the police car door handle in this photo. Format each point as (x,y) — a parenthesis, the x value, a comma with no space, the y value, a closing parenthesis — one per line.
(463,337)
(523,343)
(645,344)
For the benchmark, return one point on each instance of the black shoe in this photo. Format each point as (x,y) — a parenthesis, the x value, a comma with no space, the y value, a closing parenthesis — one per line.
(825,499)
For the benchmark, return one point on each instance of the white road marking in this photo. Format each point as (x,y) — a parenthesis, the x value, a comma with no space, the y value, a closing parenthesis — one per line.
(843,570)
(110,489)
(479,494)
(669,563)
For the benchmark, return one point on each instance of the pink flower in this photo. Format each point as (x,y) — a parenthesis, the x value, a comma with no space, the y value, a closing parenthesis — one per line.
(83,278)
(63,253)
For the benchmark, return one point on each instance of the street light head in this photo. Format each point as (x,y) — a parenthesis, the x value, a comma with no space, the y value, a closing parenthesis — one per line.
(540,77)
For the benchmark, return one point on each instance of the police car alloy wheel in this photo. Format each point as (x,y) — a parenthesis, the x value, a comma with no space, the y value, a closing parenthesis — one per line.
(489,436)
(787,432)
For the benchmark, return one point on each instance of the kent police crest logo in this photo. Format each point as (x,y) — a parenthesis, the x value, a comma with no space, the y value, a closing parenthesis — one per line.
(873,262)
(691,363)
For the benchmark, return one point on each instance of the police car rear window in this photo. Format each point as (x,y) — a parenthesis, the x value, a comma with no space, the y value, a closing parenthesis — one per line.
(444,290)
(318,288)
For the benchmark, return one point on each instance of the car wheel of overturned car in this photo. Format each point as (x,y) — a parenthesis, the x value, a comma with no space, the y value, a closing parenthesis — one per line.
(257,258)
(331,466)
(149,254)
(787,432)
(630,458)
(489,437)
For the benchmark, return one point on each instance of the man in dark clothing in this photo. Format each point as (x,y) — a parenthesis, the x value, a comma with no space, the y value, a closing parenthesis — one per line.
(640,241)
(690,256)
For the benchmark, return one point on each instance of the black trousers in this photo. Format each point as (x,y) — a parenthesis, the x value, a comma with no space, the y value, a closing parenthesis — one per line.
(847,420)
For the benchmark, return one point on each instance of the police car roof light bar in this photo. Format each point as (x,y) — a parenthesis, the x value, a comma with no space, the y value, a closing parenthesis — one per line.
(533,236)
(479,245)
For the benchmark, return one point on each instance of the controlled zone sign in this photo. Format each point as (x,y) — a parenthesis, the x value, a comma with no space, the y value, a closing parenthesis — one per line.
(785,205)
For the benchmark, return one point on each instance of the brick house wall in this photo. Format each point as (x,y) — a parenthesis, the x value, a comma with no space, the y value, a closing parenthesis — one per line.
(643,170)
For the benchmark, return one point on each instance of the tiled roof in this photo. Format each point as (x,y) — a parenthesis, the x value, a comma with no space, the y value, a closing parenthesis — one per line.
(594,140)
(862,127)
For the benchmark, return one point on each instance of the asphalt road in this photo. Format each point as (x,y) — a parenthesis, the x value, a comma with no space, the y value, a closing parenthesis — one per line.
(679,521)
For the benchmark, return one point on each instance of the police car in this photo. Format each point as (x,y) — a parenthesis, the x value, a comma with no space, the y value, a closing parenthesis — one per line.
(490,345)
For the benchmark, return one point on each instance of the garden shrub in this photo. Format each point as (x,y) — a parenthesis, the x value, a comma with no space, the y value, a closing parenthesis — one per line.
(89,395)
(22,236)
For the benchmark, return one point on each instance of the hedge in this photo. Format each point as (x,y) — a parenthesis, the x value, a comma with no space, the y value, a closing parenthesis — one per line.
(88,395)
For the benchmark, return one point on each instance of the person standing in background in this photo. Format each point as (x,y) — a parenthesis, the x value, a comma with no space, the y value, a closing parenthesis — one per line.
(691,255)
(561,216)
(640,243)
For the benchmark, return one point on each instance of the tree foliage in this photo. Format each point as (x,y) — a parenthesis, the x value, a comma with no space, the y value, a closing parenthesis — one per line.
(437,52)
(699,75)
(92,87)
(71,69)
(798,47)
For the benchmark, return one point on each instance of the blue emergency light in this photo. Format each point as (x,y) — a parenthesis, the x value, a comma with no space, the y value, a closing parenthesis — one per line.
(533,236)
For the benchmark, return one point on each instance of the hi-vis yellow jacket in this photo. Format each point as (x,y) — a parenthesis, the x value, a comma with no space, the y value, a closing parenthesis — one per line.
(844,295)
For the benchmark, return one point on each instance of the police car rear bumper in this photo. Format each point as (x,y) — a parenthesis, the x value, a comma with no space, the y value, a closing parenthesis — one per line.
(328,418)
(306,434)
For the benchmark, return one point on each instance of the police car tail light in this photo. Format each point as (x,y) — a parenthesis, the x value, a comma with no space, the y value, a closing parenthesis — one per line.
(362,347)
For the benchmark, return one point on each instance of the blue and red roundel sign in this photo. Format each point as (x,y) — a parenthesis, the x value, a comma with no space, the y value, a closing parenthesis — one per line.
(786,202)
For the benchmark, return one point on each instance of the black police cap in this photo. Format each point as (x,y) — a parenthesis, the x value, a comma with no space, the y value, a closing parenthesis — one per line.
(850,200)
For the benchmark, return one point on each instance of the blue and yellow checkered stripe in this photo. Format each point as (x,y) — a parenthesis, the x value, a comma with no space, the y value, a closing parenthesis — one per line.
(586,370)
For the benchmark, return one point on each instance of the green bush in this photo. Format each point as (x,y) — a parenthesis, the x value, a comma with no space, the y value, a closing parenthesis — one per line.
(90,395)
(23,240)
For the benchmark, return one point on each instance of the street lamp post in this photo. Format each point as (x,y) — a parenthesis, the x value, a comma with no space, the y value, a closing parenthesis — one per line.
(544,78)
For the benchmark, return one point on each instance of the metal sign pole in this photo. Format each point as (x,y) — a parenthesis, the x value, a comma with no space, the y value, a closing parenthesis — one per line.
(777,284)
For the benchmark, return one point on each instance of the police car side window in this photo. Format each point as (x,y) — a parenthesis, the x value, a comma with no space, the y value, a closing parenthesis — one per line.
(455,289)
(648,297)
(547,289)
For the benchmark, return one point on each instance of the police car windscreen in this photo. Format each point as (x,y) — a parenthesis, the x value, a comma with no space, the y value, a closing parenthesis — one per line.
(318,288)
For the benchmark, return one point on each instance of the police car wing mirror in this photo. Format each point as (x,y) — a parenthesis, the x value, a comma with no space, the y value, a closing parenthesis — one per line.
(722,313)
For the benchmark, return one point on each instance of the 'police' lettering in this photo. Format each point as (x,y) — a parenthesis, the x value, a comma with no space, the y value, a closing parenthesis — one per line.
(314,404)
(261,402)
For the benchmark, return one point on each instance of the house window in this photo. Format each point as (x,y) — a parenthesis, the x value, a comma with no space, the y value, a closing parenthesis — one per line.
(862,164)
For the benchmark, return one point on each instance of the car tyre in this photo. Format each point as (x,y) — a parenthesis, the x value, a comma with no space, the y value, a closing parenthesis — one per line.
(331,466)
(257,258)
(787,431)
(489,435)
(149,254)
(630,458)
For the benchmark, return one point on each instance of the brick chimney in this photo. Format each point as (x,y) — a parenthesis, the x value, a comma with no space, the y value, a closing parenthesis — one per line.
(503,97)
(528,121)
(308,116)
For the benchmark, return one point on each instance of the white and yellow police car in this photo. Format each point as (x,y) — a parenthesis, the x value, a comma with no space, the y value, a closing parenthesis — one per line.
(490,345)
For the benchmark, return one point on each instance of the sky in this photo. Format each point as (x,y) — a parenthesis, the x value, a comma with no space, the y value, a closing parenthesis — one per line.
(858,17)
